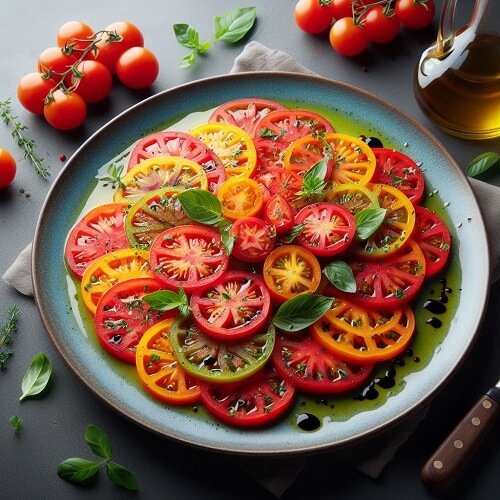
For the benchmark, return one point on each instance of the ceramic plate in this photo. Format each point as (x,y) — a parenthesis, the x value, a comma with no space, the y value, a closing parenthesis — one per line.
(437,351)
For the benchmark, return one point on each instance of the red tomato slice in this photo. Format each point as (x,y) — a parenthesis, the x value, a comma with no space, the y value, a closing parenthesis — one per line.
(256,401)
(188,257)
(278,129)
(312,368)
(280,213)
(434,238)
(278,180)
(254,239)
(122,316)
(100,231)
(171,143)
(244,113)
(329,228)
(236,306)
(400,171)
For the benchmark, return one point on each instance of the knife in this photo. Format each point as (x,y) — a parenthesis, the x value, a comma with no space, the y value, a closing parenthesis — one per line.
(444,466)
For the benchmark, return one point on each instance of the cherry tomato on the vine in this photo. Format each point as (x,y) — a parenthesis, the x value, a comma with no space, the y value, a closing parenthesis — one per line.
(7,168)
(313,16)
(32,91)
(137,68)
(341,8)
(96,81)
(53,60)
(380,25)
(66,111)
(415,14)
(347,37)
(75,33)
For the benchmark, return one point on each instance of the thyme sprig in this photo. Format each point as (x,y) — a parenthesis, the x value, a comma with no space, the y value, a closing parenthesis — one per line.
(24,142)
(9,327)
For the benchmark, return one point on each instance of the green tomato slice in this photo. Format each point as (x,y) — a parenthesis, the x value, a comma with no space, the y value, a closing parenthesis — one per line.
(214,360)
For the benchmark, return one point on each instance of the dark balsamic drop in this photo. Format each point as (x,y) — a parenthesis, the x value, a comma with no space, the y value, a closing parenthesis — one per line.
(435,306)
(308,422)
(434,322)
(373,142)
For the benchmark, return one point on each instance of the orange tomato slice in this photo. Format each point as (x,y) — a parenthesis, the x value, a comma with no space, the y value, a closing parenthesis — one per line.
(352,196)
(240,197)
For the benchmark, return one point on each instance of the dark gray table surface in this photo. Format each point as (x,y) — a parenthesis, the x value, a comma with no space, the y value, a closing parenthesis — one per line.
(54,425)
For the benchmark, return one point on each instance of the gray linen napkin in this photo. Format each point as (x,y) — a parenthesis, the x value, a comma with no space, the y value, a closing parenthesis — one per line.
(276,475)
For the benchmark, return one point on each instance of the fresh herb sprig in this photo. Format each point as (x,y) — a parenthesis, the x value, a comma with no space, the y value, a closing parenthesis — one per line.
(313,186)
(8,329)
(113,175)
(23,142)
(82,472)
(229,28)
(166,300)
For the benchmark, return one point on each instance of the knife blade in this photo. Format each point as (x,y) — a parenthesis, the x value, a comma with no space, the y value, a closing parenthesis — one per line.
(446,463)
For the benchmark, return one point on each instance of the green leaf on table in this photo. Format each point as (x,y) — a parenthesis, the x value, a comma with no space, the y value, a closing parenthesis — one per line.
(482,163)
(98,441)
(17,423)
(340,276)
(187,36)
(235,24)
(78,470)
(201,206)
(36,377)
(368,221)
(121,476)
(301,311)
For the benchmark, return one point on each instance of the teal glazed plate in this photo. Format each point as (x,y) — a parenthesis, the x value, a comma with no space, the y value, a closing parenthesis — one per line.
(441,342)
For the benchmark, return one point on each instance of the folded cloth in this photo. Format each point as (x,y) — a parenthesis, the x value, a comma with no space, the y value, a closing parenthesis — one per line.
(277,475)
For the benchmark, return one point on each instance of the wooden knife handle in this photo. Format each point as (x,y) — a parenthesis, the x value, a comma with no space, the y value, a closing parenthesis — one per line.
(450,458)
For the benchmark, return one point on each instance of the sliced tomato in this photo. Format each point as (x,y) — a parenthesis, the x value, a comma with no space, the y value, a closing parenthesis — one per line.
(254,402)
(434,238)
(400,171)
(244,113)
(159,371)
(364,335)
(352,196)
(389,282)
(215,360)
(122,316)
(111,268)
(188,257)
(160,172)
(100,231)
(278,129)
(328,228)
(291,270)
(171,143)
(240,197)
(231,144)
(277,180)
(152,213)
(279,213)
(254,239)
(314,369)
(237,305)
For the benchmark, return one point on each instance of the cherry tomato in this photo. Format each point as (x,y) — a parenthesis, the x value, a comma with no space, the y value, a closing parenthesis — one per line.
(254,239)
(65,111)
(329,228)
(76,34)
(8,168)
(137,68)
(313,16)
(341,8)
(291,270)
(170,143)
(254,402)
(122,317)
(32,91)
(415,14)
(314,369)
(108,52)
(380,25)
(54,60)
(158,368)
(244,113)
(188,256)
(434,239)
(348,38)
(100,231)
(235,306)
(280,213)
(215,360)
(240,197)
(96,81)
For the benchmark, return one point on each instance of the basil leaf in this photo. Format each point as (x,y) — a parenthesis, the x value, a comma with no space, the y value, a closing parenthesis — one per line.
(234,25)
(166,300)
(340,276)
(98,441)
(301,311)
(78,470)
(36,377)
(189,59)
(289,237)
(368,221)
(227,239)
(317,171)
(187,36)
(201,206)
(482,163)
(121,476)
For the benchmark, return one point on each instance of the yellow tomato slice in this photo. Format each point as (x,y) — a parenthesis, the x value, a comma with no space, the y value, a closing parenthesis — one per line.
(240,197)
(111,268)
(231,144)
(160,172)
(158,369)
(354,197)
(396,228)
(362,335)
